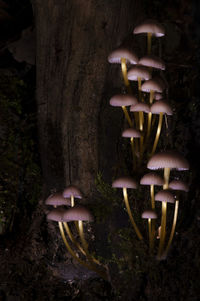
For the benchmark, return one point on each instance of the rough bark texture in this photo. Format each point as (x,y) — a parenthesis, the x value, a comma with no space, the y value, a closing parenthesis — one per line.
(77,127)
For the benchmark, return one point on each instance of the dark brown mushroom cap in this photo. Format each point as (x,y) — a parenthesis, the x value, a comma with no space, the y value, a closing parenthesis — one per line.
(72,191)
(152,61)
(78,213)
(150,26)
(161,106)
(131,133)
(120,100)
(57,199)
(169,159)
(125,182)
(152,85)
(56,215)
(152,178)
(139,71)
(140,107)
(149,214)
(116,56)
(165,196)
(179,185)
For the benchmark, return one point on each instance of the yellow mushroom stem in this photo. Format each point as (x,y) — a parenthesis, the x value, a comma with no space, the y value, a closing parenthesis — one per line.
(163,229)
(152,197)
(173,227)
(85,245)
(127,116)
(166,177)
(150,234)
(157,133)
(101,274)
(139,89)
(72,238)
(141,137)
(124,73)
(133,152)
(149,36)
(139,235)
(148,126)
(72,200)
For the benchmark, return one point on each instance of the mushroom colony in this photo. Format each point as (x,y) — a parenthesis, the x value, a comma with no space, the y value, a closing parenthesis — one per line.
(145,109)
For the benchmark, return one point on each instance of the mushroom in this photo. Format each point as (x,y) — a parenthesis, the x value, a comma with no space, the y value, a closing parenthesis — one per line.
(123,100)
(152,179)
(57,199)
(151,86)
(150,214)
(132,133)
(121,56)
(139,73)
(72,192)
(141,108)
(152,61)
(175,185)
(167,160)
(151,27)
(160,107)
(165,197)
(128,183)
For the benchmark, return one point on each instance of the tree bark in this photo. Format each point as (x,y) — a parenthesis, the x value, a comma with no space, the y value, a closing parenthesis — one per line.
(78,129)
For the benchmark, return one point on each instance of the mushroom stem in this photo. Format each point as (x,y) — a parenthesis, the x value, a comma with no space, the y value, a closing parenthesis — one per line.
(85,245)
(133,152)
(72,200)
(124,73)
(149,35)
(139,235)
(173,227)
(152,197)
(163,228)
(139,89)
(150,234)
(151,97)
(148,126)
(157,133)
(127,116)
(101,274)
(166,177)
(72,238)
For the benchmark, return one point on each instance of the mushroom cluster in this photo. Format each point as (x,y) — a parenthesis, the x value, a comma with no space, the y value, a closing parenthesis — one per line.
(69,214)
(147,101)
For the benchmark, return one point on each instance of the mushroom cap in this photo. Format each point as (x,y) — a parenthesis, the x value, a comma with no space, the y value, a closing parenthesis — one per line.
(161,106)
(165,196)
(152,178)
(152,85)
(116,55)
(152,61)
(179,185)
(140,107)
(56,214)
(149,214)
(120,100)
(158,96)
(139,71)
(169,159)
(57,199)
(78,213)
(125,182)
(131,133)
(151,26)
(72,191)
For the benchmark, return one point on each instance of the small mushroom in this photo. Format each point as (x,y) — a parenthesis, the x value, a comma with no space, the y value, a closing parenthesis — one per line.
(72,192)
(57,199)
(124,100)
(150,214)
(132,133)
(127,183)
(123,56)
(152,61)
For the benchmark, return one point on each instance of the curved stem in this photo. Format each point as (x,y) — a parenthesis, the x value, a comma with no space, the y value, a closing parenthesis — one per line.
(173,227)
(72,238)
(127,116)
(103,275)
(85,245)
(139,235)
(163,228)
(124,73)
(157,133)
(149,35)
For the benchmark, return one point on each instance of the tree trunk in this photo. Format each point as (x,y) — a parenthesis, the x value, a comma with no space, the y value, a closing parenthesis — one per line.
(78,129)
